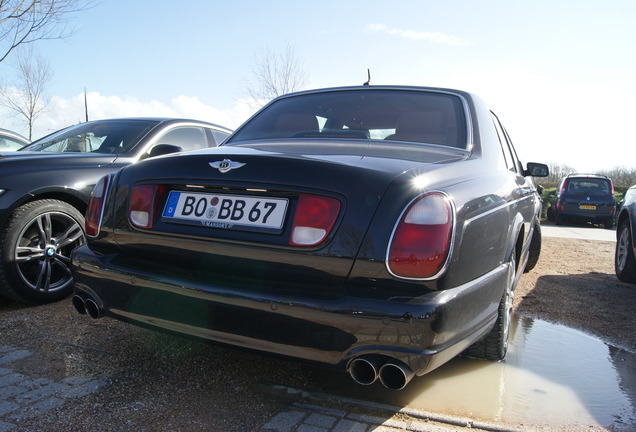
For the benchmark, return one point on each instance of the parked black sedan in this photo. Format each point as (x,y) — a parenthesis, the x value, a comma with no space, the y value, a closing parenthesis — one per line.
(624,261)
(377,229)
(45,188)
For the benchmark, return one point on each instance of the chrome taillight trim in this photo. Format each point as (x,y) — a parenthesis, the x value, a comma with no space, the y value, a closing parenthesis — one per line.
(450,246)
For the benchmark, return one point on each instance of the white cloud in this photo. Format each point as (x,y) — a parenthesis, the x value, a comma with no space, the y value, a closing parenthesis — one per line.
(416,35)
(64,112)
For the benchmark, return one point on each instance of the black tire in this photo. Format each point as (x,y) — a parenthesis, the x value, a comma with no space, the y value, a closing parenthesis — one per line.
(494,346)
(609,223)
(560,219)
(35,250)
(550,214)
(624,262)
(535,248)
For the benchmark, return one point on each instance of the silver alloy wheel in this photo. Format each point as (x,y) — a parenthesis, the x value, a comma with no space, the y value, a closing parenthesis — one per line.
(43,250)
(622,246)
(508,303)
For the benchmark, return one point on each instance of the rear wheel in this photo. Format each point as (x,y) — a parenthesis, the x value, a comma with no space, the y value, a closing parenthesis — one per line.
(495,345)
(609,223)
(35,250)
(624,262)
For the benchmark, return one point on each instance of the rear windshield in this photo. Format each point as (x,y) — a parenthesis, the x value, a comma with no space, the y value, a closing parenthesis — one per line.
(95,137)
(589,186)
(398,115)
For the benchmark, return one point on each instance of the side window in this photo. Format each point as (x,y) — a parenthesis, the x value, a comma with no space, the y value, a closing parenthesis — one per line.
(219,136)
(7,143)
(188,138)
(508,154)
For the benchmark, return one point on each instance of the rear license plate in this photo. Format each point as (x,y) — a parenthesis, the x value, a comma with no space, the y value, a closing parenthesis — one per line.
(587,207)
(225,211)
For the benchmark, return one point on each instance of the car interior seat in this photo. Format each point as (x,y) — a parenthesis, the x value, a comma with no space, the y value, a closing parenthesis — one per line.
(291,124)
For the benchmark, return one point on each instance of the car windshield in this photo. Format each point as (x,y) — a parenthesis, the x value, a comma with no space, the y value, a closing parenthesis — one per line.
(589,186)
(113,137)
(365,114)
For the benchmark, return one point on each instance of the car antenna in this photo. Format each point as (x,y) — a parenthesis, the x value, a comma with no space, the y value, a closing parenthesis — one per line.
(368,80)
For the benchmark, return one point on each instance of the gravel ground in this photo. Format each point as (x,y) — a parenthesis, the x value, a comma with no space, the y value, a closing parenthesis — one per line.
(574,284)
(164,383)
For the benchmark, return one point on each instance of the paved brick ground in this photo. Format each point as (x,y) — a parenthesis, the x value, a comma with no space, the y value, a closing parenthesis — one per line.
(22,396)
(310,412)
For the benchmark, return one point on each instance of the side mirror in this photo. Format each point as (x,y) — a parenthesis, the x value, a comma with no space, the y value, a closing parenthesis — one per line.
(536,170)
(164,149)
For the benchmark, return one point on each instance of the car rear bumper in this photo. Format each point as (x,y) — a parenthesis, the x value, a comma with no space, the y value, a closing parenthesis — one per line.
(422,332)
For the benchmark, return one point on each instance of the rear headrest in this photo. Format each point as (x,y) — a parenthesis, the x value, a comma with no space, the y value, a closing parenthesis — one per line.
(427,122)
(293,123)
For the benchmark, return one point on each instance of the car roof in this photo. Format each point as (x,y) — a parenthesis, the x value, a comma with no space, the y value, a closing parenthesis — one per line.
(162,120)
(10,133)
(582,175)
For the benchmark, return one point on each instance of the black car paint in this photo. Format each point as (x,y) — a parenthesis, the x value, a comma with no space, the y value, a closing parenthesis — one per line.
(625,253)
(336,301)
(28,176)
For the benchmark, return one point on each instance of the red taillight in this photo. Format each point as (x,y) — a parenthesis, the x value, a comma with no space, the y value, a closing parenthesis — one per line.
(144,205)
(96,207)
(315,217)
(422,238)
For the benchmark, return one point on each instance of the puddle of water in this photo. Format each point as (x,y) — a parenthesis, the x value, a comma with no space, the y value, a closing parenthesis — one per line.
(552,375)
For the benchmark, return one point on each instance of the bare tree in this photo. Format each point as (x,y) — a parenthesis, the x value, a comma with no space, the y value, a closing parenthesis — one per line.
(27,21)
(275,73)
(558,171)
(27,97)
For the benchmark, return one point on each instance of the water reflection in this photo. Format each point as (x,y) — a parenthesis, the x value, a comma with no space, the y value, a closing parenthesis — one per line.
(553,375)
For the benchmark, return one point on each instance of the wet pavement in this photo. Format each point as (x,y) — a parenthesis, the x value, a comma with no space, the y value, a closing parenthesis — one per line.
(553,377)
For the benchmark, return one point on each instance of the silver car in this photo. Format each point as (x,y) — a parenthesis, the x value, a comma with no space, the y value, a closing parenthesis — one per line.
(11,141)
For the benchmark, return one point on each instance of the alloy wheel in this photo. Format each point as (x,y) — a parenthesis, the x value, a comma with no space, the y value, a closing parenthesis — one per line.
(42,254)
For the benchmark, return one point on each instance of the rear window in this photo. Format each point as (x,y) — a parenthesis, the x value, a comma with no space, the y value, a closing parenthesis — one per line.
(588,186)
(398,115)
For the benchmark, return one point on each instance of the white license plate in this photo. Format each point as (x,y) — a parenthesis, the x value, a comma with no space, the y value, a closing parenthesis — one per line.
(225,211)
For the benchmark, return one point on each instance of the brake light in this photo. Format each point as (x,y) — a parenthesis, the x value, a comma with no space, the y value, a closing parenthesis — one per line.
(144,204)
(315,217)
(93,218)
(422,238)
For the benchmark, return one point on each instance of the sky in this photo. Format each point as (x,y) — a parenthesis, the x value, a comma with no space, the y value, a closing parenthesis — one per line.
(560,74)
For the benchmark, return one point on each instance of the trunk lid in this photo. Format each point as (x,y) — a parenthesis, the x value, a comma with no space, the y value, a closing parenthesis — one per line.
(239,257)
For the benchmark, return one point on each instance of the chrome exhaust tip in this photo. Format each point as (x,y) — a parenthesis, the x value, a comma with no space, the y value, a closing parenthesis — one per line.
(92,308)
(78,304)
(364,370)
(395,375)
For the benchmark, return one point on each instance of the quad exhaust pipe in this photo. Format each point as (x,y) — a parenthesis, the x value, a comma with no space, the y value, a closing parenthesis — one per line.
(85,305)
(392,373)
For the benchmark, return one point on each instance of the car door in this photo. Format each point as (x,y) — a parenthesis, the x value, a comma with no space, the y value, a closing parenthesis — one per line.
(524,200)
